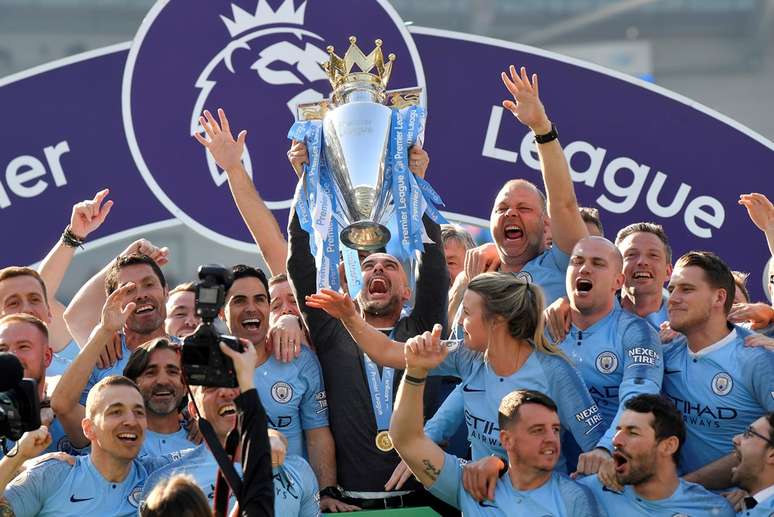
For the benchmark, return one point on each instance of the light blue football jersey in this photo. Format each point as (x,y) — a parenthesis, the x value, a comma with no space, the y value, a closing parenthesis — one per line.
(720,391)
(56,488)
(559,497)
(618,357)
(656,318)
(294,397)
(100,373)
(295,486)
(61,360)
(161,444)
(483,390)
(548,270)
(448,418)
(689,499)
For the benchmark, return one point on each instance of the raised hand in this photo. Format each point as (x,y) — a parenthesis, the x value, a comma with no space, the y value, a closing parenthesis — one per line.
(527,107)
(759,314)
(760,210)
(298,156)
(145,247)
(244,363)
(425,352)
(418,160)
(557,316)
(117,307)
(481,259)
(338,305)
(89,215)
(226,151)
(285,338)
(34,442)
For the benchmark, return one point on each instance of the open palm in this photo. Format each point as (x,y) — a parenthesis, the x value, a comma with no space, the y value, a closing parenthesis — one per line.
(221,144)
(526,105)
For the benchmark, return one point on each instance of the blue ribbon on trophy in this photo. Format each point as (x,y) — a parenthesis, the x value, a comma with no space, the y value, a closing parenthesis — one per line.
(358,177)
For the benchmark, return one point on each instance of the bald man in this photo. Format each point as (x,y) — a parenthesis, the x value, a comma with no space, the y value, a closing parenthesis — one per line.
(617,353)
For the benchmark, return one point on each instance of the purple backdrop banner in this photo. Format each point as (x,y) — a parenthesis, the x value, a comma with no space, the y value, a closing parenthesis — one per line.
(122,117)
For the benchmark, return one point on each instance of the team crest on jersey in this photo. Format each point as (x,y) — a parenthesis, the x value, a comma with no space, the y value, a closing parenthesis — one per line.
(722,384)
(134,497)
(282,392)
(607,362)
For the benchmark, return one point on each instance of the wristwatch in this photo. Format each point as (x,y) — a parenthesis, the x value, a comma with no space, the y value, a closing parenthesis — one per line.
(548,137)
(331,491)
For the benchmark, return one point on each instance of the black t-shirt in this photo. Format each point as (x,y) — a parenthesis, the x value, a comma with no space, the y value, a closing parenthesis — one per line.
(360,465)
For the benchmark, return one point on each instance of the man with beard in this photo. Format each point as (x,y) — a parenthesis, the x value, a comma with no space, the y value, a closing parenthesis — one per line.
(292,393)
(617,353)
(155,368)
(26,337)
(647,445)
(106,482)
(754,449)
(720,385)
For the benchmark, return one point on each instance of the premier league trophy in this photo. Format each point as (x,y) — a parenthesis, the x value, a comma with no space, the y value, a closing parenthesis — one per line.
(356,123)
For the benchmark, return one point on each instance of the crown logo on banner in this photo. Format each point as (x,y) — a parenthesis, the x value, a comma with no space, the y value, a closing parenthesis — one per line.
(243,21)
(340,72)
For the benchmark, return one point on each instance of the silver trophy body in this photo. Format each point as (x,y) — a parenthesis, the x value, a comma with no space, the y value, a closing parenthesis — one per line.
(356,134)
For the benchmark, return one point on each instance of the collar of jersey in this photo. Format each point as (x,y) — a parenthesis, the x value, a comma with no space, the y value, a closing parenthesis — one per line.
(714,346)
(599,324)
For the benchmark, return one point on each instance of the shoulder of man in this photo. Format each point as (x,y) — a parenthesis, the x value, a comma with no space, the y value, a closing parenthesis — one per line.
(700,497)
(578,498)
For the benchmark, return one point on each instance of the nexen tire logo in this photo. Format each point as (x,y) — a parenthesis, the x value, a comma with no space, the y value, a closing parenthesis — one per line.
(255,61)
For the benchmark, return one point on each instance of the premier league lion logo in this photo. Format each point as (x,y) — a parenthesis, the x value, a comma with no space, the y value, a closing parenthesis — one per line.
(256,59)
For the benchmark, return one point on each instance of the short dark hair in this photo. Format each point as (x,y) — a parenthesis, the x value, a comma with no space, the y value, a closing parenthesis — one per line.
(770,420)
(655,229)
(667,420)
(243,271)
(112,276)
(23,317)
(176,495)
(16,271)
(591,215)
(110,380)
(186,287)
(716,272)
(138,361)
(508,413)
(740,279)
(278,279)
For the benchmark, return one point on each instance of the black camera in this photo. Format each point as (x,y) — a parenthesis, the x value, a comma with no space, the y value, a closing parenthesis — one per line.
(203,362)
(19,404)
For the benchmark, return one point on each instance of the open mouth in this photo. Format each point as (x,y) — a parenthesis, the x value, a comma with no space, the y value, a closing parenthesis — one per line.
(378,286)
(583,285)
(127,437)
(251,323)
(513,232)
(163,393)
(548,452)
(620,461)
(642,275)
(227,410)
(142,309)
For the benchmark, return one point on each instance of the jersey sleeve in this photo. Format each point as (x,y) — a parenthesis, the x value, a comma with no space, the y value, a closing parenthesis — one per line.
(310,498)
(28,492)
(557,258)
(314,403)
(459,363)
(643,369)
(760,370)
(579,499)
(449,483)
(577,410)
(449,417)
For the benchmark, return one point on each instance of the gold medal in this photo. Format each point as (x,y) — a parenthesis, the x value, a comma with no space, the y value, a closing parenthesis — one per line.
(383,442)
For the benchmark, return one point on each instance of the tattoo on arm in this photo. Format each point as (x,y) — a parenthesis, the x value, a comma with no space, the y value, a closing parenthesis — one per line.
(430,470)
(5,508)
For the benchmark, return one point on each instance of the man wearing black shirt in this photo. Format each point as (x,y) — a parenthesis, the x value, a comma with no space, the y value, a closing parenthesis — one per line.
(363,468)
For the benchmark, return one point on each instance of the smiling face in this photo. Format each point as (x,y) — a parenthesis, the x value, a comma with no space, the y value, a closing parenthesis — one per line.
(217,406)
(594,275)
(24,293)
(247,310)
(518,223)
(532,441)
(385,287)
(692,300)
(115,421)
(754,454)
(646,267)
(182,319)
(148,295)
(473,321)
(161,383)
(29,345)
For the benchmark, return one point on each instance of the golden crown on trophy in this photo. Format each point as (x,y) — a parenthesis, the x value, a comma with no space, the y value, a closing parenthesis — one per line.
(340,72)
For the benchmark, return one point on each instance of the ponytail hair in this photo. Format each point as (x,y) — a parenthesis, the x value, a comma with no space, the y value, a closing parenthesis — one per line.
(519,301)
